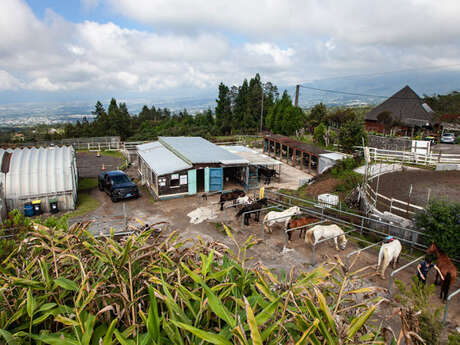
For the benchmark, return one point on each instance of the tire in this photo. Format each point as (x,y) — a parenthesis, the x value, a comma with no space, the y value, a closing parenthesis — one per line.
(113,198)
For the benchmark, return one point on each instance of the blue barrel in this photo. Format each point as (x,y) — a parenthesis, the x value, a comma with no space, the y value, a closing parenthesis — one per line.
(28,210)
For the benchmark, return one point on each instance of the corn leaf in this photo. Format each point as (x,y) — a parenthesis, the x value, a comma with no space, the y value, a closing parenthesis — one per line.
(66,284)
(9,338)
(212,338)
(255,334)
(108,336)
(55,339)
(358,322)
(153,320)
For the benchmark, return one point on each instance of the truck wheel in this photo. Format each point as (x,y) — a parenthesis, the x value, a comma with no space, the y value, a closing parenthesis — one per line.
(100,187)
(113,198)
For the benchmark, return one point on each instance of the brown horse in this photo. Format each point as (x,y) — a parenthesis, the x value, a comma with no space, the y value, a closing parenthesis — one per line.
(229,196)
(446,267)
(295,223)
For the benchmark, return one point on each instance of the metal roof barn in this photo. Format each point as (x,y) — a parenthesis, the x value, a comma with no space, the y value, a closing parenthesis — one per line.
(196,150)
(160,159)
(254,157)
(39,173)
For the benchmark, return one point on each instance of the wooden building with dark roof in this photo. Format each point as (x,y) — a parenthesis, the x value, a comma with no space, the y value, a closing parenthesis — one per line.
(406,108)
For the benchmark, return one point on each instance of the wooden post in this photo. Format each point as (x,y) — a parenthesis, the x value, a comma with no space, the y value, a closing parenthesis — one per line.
(408,201)
(294,163)
(309,162)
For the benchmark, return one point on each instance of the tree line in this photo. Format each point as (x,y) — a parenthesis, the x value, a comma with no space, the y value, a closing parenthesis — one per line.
(242,109)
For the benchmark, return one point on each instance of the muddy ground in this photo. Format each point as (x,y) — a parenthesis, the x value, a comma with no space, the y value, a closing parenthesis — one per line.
(444,185)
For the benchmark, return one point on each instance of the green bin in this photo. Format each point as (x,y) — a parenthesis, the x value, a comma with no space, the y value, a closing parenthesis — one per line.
(54,205)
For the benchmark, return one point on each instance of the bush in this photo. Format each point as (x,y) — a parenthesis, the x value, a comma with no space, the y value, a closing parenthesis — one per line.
(352,134)
(319,133)
(417,297)
(441,222)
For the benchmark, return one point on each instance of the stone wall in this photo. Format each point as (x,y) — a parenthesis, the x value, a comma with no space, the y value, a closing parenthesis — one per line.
(389,143)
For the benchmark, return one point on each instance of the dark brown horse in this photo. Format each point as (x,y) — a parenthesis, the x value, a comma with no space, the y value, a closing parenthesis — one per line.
(295,223)
(229,196)
(446,267)
(255,205)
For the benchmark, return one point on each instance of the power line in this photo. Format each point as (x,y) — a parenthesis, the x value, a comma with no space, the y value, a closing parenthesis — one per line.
(355,94)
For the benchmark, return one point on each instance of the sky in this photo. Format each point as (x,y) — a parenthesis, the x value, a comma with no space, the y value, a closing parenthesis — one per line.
(72,49)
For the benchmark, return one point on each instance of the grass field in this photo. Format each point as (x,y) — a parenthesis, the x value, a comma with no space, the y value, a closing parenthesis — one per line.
(85,184)
(85,205)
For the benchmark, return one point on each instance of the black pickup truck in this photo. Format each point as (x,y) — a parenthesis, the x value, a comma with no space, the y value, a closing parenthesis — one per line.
(117,185)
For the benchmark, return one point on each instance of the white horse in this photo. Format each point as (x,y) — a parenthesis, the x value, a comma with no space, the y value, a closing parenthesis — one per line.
(243,201)
(326,231)
(273,217)
(388,251)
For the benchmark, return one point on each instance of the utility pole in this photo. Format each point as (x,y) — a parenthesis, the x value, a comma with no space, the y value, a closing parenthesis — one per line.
(262,110)
(296,102)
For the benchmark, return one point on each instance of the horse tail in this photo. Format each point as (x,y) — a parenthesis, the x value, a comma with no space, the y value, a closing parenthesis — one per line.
(309,237)
(386,260)
(446,284)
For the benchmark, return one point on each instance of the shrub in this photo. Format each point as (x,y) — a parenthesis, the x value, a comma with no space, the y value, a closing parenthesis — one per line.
(441,222)
(319,133)
(417,297)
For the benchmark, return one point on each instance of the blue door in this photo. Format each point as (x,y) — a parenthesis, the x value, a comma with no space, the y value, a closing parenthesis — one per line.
(216,179)
(191,182)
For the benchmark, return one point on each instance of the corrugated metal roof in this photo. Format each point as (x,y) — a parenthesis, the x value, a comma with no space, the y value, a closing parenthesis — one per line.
(160,159)
(254,157)
(40,171)
(196,150)
(297,144)
(335,156)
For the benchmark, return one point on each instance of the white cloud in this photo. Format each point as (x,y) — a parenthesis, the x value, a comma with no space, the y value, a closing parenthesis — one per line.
(198,44)
(357,21)
(281,57)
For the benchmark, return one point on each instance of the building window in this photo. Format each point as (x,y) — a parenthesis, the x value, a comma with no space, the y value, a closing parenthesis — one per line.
(174,180)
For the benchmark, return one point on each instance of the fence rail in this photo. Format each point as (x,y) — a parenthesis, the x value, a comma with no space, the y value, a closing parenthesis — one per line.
(429,158)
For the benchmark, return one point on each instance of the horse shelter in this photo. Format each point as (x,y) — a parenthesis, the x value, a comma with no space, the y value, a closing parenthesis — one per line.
(300,155)
(257,161)
(178,166)
(45,174)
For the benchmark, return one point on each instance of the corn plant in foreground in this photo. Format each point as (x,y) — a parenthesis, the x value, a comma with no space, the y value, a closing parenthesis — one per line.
(67,287)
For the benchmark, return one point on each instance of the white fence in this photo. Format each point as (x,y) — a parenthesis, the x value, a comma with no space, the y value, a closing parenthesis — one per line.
(407,157)
(384,203)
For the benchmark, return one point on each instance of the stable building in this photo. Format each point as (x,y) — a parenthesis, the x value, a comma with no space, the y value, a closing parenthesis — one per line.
(45,174)
(178,166)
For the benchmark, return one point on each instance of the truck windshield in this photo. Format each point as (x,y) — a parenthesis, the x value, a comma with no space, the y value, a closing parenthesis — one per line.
(119,179)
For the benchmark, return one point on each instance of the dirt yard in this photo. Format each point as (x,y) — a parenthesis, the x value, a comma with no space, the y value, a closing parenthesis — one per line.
(444,185)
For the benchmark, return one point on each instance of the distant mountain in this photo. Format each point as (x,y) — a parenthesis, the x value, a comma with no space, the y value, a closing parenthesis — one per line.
(424,83)
(386,84)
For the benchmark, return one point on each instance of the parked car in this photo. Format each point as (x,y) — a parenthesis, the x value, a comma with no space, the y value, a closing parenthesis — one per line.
(448,138)
(431,139)
(117,185)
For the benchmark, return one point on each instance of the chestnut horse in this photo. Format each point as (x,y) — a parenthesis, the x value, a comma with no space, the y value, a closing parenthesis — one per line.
(446,267)
(295,223)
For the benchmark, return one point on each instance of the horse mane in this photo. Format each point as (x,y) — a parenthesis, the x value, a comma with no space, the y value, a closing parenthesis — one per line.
(439,249)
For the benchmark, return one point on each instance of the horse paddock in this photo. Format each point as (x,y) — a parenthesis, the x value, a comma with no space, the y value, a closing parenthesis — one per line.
(444,185)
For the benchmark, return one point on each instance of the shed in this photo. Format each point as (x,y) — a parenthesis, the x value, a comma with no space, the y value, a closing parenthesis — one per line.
(39,173)
(176,166)
(328,160)
(293,152)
